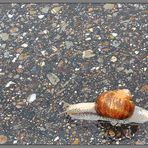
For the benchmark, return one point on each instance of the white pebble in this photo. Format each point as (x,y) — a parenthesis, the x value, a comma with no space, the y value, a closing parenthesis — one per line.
(24,45)
(15,141)
(91,29)
(10,15)
(119,85)
(13,4)
(57,138)
(40,16)
(22,6)
(77,69)
(31,98)
(114,34)
(134,28)
(24,33)
(93,68)
(75,92)
(119,5)
(20,66)
(9,83)
(43,52)
(88,39)
(117,142)
(87,34)
(45,31)
(17,55)
(145,68)
(136,52)
(54,48)
(113,59)
(43,63)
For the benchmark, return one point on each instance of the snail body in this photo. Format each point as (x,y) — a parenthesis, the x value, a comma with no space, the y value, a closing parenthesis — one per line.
(115,106)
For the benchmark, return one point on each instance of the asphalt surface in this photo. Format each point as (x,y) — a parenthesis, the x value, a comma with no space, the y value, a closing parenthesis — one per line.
(69,52)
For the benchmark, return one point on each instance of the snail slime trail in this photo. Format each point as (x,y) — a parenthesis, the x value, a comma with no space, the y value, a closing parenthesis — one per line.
(115,106)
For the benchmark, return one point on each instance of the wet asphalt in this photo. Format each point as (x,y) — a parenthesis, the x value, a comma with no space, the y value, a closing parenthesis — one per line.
(51,53)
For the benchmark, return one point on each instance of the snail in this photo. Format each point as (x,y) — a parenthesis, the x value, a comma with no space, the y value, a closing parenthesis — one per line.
(115,106)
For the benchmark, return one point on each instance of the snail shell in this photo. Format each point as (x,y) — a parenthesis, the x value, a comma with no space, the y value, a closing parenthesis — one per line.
(116,104)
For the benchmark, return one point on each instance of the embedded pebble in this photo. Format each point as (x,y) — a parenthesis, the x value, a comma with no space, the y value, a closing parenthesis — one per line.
(88,54)
(31,98)
(3,139)
(144,88)
(113,59)
(40,16)
(111,133)
(128,71)
(90,29)
(23,56)
(15,141)
(116,43)
(9,84)
(136,52)
(117,142)
(45,9)
(43,52)
(55,9)
(20,104)
(53,78)
(56,139)
(14,30)
(17,55)
(68,44)
(54,48)
(3,45)
(114,34)
(109,6)
(10,15)
(76,141)
(24,45)
(4,36)
(138,142)
(119,5)
(88,39)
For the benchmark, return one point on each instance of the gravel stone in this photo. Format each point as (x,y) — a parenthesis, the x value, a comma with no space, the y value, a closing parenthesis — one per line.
(3,139)
(45,9)
(76,141)
(113,59)
(109,6)
(24,45)
(40,16)
(9,84)
(31,98)
(88,54)
(4,36)
(56,9)
(69,44)
(53,78)
(56,139)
